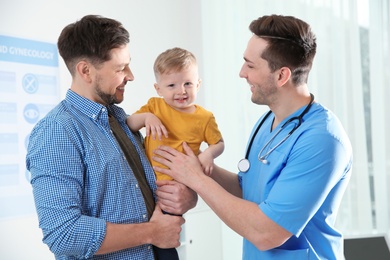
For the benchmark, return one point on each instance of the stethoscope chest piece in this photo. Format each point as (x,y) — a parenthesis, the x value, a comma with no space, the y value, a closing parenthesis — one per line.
(243,165)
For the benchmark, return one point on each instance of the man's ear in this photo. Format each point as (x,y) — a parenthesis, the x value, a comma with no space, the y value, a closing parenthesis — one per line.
(84,70)
(284,75)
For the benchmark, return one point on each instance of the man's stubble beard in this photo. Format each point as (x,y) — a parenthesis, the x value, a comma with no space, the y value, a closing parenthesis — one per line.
(108,99)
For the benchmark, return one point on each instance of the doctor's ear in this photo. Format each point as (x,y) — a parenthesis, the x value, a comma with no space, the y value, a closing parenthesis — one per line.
(284,75)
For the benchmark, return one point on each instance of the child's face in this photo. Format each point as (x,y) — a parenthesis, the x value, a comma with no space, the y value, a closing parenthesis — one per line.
(179,89)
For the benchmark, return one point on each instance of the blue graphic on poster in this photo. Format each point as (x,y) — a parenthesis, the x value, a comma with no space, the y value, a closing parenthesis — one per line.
(29,88)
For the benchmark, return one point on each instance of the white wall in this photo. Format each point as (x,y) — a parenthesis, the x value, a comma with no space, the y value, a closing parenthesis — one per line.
(154,26)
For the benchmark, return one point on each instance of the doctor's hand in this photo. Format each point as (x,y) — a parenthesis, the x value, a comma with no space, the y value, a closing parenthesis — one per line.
(184,168)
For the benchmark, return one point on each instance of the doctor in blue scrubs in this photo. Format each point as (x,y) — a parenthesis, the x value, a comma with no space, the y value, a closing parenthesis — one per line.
(285,198)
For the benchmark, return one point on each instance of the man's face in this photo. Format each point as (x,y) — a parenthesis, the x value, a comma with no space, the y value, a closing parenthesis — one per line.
(257,73)
(111,77)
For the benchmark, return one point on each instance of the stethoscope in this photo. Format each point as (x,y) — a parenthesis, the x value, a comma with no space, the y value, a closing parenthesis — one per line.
(244,164)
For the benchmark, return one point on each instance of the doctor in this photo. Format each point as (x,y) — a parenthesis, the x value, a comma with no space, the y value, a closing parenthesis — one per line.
(285,198)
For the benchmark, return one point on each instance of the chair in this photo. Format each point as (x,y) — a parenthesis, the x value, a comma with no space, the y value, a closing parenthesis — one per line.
(372,247)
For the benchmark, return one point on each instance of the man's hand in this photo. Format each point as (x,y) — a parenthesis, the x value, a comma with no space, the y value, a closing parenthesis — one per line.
(167,229)
(174,197)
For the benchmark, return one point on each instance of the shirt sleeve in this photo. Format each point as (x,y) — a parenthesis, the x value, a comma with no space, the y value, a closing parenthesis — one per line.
(309,176)
(212,133)
(148,107)
(56,168)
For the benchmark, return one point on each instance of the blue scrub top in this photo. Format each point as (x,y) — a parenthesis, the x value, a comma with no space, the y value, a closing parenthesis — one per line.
(301,186)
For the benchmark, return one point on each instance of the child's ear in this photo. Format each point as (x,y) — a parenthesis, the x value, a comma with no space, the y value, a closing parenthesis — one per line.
(199,83)
(157,88)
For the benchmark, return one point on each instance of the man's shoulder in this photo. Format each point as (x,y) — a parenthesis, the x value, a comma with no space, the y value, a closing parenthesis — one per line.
(62,116)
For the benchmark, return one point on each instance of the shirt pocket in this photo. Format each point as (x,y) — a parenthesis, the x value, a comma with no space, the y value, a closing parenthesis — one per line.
(270,171)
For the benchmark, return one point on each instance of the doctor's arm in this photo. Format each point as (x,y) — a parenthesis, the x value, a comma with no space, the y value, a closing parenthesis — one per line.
(228,180)
(220,193)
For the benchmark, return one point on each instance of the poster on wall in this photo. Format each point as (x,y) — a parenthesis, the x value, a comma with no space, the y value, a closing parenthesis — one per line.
(29,88)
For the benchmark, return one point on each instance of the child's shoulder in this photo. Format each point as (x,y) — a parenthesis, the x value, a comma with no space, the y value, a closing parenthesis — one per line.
(155,101)
(201,109)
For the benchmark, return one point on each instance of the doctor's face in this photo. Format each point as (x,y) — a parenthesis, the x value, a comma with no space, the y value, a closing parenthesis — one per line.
(257,72)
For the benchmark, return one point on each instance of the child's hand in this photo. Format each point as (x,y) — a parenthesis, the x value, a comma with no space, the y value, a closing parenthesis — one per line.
(207,161)
(154,127)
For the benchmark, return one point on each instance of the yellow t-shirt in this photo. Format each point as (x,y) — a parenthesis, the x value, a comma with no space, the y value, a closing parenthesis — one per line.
(192,128)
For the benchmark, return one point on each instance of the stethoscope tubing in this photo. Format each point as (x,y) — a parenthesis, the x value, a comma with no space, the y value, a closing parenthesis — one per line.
(244,164)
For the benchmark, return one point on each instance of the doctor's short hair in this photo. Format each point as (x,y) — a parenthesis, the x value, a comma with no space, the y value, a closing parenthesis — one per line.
(91,38)
(173,60)
(291,43)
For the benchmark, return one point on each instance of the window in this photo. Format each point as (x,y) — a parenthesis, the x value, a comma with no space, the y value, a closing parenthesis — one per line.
(350,76)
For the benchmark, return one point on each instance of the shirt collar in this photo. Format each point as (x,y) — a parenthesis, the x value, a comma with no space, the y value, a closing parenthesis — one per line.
(86,106)
(93,109)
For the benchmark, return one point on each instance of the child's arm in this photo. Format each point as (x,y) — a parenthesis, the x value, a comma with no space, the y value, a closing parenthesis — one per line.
(151,123)
(207,157)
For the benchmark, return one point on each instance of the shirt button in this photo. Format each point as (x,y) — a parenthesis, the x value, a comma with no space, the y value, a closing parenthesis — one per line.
(136,185)
(149,247)
(144,216)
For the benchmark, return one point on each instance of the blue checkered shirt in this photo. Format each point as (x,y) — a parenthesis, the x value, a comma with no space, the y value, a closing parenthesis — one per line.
(81,179)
